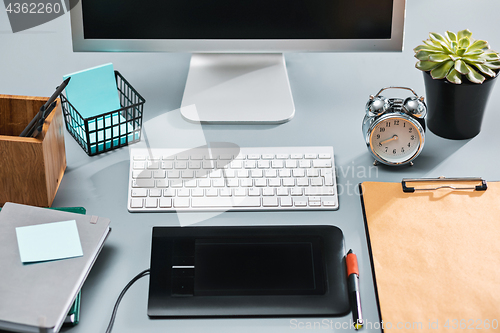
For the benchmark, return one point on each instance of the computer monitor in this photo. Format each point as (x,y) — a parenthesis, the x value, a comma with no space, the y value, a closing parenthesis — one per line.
(237,72)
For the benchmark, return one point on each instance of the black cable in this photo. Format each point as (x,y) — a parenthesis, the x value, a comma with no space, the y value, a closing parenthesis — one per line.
(115,309)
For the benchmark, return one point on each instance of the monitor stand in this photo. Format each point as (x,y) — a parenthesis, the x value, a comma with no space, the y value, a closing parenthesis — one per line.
(237,89)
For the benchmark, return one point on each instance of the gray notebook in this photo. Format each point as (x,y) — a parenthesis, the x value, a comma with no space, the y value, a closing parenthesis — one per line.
(36,297)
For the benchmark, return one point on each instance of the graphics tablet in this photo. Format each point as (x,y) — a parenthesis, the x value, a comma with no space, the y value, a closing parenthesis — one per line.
(247,271)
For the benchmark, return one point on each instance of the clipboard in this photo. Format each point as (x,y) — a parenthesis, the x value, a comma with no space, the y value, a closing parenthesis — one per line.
(434,249)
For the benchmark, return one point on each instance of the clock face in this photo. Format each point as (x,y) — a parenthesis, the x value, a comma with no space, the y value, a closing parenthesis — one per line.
(395,139)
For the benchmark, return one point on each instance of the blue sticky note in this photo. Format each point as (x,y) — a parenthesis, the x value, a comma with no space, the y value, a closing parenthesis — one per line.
(93,91)
(49,241)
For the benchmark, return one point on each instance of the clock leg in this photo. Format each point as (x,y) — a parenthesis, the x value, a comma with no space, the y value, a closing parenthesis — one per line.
(411,163)
(375,163)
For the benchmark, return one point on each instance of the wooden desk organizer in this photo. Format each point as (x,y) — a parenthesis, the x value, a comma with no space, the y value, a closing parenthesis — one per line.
(31,169)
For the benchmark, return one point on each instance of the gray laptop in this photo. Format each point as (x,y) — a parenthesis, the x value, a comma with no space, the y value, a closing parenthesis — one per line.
(37,297)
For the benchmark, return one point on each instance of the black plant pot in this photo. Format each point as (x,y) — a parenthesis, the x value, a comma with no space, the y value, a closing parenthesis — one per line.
(455,111)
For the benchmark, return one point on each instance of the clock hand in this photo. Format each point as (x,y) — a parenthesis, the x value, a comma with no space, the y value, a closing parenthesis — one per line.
(394,137)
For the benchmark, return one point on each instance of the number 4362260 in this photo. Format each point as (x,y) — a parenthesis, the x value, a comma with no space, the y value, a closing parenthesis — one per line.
(33,8)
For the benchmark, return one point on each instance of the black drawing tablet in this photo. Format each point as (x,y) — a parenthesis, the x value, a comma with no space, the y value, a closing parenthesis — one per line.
(247,271)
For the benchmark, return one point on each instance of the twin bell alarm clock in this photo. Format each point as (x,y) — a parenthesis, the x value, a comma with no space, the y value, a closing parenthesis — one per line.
(394,128)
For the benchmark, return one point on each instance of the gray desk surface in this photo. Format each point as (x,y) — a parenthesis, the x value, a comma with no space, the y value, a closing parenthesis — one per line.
(330,91)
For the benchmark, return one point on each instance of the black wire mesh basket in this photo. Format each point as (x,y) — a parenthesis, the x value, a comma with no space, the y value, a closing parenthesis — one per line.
(111,130)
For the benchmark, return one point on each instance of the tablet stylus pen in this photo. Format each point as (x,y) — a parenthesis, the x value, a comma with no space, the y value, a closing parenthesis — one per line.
(353,277)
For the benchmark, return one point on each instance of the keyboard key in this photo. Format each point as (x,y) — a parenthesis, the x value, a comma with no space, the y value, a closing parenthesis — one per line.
(300,202)
(225,192)
(167,165)
(305,163)
(328,180)
(263,164)
(232,182)
(285,173)
(159,174)
(139,192)
(286,202)
(194,164)
(226,157)
(260,182)
(250,164)
(152,165)
(176,183)
(180,165)
(183,192)
(197,192)
(246,182)
(256,173)
(151,203)
(298,173)
(218,182)
(329,201)
(216,174)
(274,182)
(144,183)
(165,202)
(268,191)
(243,174)
(173,174)
(312,173)
(302,182)
(231,173)
(181,202)
(136,203)
(204,183)
(270,173)
(190,183)
(211,192)
(141,174)
(282,191)
(155,192)
(169,192)
(223,202)
(239,192)
(277,164)
(322,163)
(252,192)
(318,191)
(139,165)
(270,202)
(162,183)
(316,181)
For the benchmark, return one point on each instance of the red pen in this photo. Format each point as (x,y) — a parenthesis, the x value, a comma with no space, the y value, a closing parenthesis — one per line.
(353,279)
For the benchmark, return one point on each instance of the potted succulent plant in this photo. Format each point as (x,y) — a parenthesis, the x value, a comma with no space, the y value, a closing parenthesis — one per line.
(459,74)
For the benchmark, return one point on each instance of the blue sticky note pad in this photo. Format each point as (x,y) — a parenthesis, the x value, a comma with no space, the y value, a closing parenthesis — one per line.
(93,91)
(49,241)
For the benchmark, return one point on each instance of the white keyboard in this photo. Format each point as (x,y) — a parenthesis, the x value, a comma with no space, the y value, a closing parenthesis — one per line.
(221,179)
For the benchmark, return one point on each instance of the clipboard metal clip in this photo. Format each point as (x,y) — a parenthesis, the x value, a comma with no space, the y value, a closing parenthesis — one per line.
(407,189)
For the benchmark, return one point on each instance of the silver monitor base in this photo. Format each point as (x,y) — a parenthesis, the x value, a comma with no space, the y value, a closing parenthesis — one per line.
(238,89)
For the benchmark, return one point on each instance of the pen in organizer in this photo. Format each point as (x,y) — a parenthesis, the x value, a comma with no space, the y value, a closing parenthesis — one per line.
(355,297)
(36,124)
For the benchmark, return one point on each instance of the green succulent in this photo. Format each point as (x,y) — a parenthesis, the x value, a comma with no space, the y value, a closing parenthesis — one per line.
(455,55)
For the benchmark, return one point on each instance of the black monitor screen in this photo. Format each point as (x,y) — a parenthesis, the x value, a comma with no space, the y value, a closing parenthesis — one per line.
(237,19)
